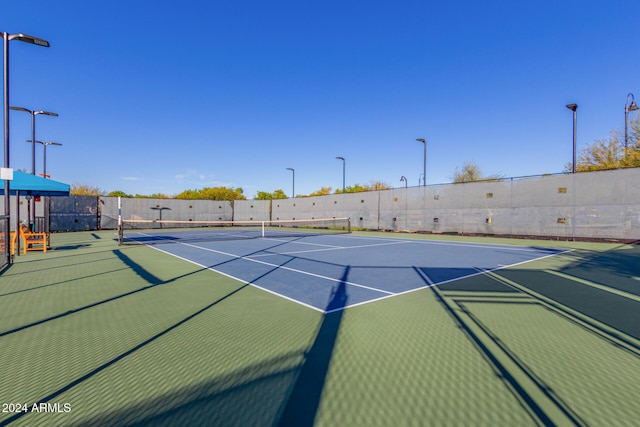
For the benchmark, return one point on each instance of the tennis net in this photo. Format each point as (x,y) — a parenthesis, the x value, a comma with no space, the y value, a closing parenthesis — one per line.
(141,231)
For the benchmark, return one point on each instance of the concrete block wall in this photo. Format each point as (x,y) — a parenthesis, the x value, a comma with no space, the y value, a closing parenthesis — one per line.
(252,210)
(166,209)
(602,204)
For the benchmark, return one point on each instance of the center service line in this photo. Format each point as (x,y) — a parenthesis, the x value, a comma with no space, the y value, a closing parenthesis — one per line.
(288,268)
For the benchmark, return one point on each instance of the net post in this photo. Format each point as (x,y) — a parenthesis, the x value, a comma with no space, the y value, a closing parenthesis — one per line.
(120,235)
(120,230)
(349,225)
(262,229)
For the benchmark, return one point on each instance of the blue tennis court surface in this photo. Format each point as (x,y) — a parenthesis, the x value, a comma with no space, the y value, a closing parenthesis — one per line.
(333,272)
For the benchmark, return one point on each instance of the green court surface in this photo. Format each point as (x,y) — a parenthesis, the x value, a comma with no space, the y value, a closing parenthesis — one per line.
(92,333)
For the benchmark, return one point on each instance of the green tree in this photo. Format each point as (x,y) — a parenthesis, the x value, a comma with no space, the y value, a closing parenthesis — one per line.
(213,193)
(358,188)
(84,190)
(118,193)
(321,192)
(379,185)
(471,172)
(159,196)
(263,195)
(610,153)
(188,195)
(279,194)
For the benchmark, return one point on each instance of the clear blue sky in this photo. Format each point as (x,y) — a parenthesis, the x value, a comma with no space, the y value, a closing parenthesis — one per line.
(163,96)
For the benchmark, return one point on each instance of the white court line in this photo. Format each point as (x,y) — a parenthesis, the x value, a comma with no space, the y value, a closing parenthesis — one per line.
(422,274)
(334,248)
(295,242)
(287,268)
(431,283)
(445,243)
(238,279)
(423,242)
(388,241)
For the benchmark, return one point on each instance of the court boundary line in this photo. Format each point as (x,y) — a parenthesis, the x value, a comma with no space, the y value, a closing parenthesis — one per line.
(333,248)
(236,278)
(431,283)
(390,294)
(604,288)
(399,240)
(308,273)
(423,275)
(279,239)
(447,243)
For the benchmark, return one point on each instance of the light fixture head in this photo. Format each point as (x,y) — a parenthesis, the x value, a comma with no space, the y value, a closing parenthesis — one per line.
(21,109)
(46,113)
(572,107)
(29,39)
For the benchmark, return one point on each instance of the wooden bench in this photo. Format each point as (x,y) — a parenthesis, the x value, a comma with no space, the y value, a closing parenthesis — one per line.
(32,241)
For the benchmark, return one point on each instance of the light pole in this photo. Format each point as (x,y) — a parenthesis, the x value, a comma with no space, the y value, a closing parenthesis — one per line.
(33,114)
(574,108)
(403,178)
(33,131)
(424,161)
(293,190)
(6,38)
(44,144)
(344,162)
(628,107)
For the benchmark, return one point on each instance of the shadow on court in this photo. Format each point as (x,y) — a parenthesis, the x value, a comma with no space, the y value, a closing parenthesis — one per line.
(81,379)
(595,296)
(249,396)
(617,268)
(262,385)
(138,269)
(602,286)
(151,280)
(254,395)
(302,406)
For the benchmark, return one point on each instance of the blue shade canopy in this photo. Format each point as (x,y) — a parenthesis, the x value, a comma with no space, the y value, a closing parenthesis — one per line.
(35,185)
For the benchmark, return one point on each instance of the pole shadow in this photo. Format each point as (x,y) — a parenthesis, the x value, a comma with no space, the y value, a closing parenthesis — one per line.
(81,379)
(302,406)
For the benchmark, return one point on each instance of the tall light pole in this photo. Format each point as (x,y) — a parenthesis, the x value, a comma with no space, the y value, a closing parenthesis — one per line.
(574,108)
(33,131)
(424,161)
(44,144)
(628,107)
(33,114)
(293,190)
(344,162)
(6,38)
(403,178)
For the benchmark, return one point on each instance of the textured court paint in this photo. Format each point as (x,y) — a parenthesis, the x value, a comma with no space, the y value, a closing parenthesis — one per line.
(133,336)
(308,270)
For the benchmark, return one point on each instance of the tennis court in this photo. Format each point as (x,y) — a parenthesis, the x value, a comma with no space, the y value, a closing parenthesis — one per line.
(310,269)
(365,329)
